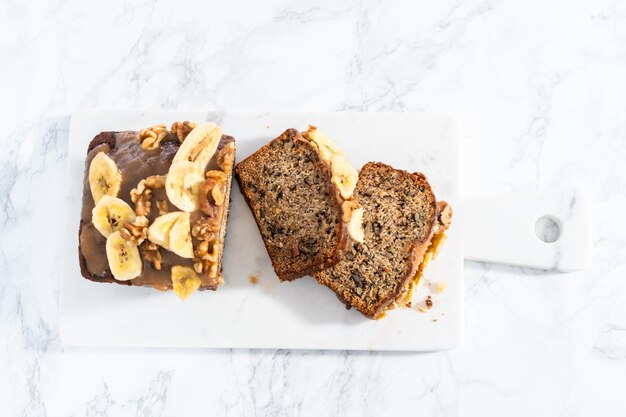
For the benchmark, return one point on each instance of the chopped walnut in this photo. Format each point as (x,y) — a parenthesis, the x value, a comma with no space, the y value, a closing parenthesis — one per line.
(206,228)
(182,129)
(207,251)
(445,214)
(152,254)
(214,186)
(226,157)
(212,272)
(142,195)
(205,258)
(151,137)
(218,176)
(217,194)
(135,232)
(142,201)
(347,208)
(155,181)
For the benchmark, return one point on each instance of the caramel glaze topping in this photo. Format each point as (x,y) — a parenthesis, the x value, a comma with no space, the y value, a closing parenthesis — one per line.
(136,164)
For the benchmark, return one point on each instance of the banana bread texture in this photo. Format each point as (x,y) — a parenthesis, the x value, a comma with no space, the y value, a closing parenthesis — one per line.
(401,217)
(298,209)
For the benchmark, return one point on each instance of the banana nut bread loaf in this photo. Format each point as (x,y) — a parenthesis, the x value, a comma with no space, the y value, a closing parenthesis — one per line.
(404,228)
(155,206)
(299,188)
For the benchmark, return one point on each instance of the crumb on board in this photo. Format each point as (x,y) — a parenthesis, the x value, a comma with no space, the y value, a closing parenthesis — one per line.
(253,278)
(425,305)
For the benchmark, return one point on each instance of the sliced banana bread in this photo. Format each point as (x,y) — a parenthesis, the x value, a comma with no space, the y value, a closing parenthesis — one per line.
(403,225)
(155,206)
(299,188)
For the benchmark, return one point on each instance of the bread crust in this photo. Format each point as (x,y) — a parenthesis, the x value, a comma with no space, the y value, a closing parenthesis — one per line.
(343,241)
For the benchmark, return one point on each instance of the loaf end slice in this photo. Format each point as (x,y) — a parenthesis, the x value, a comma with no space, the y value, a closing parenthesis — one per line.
(401,220)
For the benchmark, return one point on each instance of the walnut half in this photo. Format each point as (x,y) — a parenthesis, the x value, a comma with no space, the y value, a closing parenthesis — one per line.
(226,157)
(212,191)
(142,194)
(205,258)
(182,129)
(152,136)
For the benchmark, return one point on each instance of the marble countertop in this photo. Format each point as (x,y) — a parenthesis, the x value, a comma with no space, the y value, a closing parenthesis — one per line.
(538,89)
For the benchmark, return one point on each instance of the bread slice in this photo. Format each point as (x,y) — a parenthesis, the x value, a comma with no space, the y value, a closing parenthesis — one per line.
(401,219)
(299,189)
(136,163)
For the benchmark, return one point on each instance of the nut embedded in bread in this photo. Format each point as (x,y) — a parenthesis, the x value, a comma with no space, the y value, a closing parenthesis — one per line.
(404,228)
(299,188)
(152,201)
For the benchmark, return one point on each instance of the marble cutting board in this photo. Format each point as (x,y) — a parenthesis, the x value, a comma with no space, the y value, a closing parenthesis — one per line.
(303,314)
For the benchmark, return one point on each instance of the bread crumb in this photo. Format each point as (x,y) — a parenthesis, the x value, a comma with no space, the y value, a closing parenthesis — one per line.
(254,279)
(441,286)
(425,305)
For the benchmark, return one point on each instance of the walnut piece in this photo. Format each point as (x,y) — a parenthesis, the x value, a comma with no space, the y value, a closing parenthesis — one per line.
(205,258)
(182,129)
(212,192)
(136,232)
(217,194)
(218,176)
(226,157)
(445,214)
(152,136)
(347,208)
(142,195)
(206,228)
(151,253)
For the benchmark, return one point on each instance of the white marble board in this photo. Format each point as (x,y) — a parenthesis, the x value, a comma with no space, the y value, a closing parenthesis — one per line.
(296,315)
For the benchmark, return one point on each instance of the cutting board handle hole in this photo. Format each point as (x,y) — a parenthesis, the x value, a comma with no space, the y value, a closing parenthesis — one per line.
(547,229)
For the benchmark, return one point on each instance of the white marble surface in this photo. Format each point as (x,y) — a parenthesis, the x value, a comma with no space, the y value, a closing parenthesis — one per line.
(538,88)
